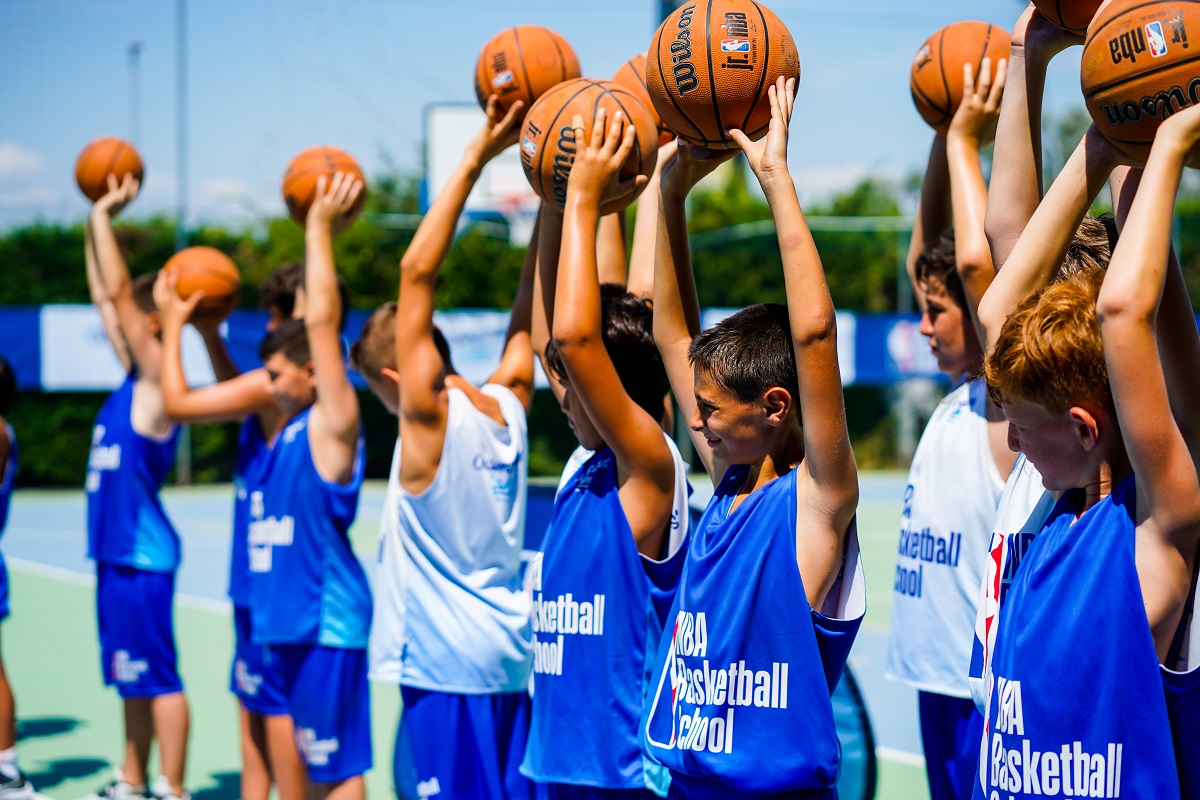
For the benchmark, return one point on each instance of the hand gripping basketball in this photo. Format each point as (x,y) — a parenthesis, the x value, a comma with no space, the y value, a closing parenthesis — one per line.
(768,156)
(596,172)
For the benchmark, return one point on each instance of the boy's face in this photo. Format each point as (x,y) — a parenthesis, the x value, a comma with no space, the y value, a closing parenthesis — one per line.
(578,419)
(386,388)
(951,337)
(735,429)
(292,386)
(1053,444)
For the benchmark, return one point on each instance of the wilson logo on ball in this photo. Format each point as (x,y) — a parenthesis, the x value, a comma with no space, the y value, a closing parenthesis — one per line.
(682,68)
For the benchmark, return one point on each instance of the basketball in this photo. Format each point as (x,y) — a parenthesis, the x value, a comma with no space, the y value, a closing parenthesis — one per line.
(1070,15)
(548,141)
(709,68)
(106,156)
(300,180)
(208,270)
(632,75)
(521,63)
(936,80)
(1137,69)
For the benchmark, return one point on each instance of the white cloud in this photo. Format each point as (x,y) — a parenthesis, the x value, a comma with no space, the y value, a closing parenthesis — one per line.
(18,161)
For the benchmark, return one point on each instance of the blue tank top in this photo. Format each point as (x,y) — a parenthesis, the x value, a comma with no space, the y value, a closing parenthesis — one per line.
(1076,708)
(9,477)
(127,525)
(307,586)
(1181,682)
(252,450)
(598,613)
(740,700)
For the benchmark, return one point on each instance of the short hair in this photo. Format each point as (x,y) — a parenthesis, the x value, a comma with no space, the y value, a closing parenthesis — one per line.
(937,263)
(1049,349)
(8,386)
(1090,248)
(289,338)
(343,296)
(626,325)
(143,292)
(279,289)
(749,352)
(375,349)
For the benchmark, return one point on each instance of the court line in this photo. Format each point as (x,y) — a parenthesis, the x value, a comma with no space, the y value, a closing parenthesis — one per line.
(222,607)
(900,756)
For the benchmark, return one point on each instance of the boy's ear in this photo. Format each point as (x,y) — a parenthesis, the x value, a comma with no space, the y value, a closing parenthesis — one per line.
(777,402)
(390,374)
(1087,426)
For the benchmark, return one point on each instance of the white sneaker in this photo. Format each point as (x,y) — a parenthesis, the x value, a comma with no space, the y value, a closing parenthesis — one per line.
(17,788)
(118,790)
(161,790)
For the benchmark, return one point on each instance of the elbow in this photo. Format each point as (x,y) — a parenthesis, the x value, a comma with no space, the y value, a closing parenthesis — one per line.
(1114,309)
(974,261)
(570,342)
(817,328)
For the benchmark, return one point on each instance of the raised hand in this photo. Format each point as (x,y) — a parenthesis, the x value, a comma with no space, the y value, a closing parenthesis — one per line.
(595,173)
(768,156)
(333,201)
(501,130)
(119,194)
(1039,38)
(173,310)
(976,117)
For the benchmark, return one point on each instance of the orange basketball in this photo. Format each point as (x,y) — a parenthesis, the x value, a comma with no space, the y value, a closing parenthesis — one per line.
(1070,15)
(106,156)
(300,180)
(937,69)
(632,75)
(1137,68)
(521,63)
(208,270)
(548,141)
(710,65)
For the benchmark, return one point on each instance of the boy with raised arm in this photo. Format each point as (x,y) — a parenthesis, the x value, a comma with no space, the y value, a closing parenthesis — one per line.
(452,621)
(771,593)
(311,605)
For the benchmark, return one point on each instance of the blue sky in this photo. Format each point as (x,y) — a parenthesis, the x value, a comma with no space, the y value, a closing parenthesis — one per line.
(268,78)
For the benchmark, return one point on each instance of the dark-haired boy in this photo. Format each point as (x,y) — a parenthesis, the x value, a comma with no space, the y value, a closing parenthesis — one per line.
(452,621)
(771,592)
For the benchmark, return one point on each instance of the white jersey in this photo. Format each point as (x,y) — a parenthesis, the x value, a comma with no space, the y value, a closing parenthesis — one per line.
(577,460)
(1024,507)
(949,508)
(451,615)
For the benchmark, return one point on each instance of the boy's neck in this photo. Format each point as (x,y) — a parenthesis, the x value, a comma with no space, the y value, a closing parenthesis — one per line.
(785,455)
(1113,469)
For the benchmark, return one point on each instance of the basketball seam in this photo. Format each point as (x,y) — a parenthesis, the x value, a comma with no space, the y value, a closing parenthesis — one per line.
(562,60)
(524,69)
(641,77)
(712,79)
(766,63)
(1145,74)
(667,89)
(945,81)
(636,148)
(112,166)
(1058,10)
(979,67)
(549,129)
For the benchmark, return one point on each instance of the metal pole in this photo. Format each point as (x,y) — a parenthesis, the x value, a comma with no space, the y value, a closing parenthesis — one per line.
(183,457)
(135,92)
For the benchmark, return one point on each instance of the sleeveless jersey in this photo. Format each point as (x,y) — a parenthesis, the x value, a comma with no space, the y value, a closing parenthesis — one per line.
(9,478)
(252,452)
(740,698)
(599,609)
(945,527)
(579,456)
(307,586)
(452,615)
(1181,682)
(1077,709)
(1024,507)
(127,525)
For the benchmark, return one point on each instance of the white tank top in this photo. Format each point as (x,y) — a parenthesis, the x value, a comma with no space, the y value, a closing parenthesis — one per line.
(949,508)
(451,615)
(1024,507)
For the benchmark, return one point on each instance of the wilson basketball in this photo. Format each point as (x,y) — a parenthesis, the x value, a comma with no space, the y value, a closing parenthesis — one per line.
(936,80)
(106,156)
(208,270)
(300,180)
(1138,69)
(1070,15)
(548,142)
(709,68)
(521,63)
(632,75)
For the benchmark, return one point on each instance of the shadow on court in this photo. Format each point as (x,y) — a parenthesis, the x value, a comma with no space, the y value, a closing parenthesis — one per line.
(44,727)
(228,787)
(65,769)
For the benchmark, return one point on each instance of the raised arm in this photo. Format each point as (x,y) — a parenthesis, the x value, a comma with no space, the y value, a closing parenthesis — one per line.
(827,488)
(1168,487)
(610,249)
(645,228)
(545,280)
(933,212)
(1016,182)
(333,423)
(108,313)
(516,362)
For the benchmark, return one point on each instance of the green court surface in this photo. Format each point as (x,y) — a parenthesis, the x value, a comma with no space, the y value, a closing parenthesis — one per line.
(70,724)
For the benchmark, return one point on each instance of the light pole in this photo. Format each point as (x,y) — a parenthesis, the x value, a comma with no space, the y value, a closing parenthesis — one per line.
(183,456)
(135,92)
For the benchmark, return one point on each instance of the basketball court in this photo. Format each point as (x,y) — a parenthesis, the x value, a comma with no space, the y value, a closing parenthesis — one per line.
(69,723)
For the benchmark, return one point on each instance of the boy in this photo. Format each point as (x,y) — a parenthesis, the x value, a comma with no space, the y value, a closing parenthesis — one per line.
(135,547)
(310,602)
(944,539)
(779,531)
(452,625)
(619,520)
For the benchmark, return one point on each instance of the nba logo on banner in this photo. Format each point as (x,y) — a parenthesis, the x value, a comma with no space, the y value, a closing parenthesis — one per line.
(743,45)
(1156,39)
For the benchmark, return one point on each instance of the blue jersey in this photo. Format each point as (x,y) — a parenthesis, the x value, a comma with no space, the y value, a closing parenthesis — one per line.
(127,525)
(597,619)
(8,478)
(307,585)
(252,450)
(740,701)
(1077,706)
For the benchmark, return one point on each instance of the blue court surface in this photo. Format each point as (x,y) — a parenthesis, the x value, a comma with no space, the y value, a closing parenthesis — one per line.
(69,727)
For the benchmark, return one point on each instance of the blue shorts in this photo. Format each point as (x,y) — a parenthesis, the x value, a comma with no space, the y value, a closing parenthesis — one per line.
(3,588)
(256,683)
(562,791)
(330,703)
(462,747)
(951,730)
(137,632)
